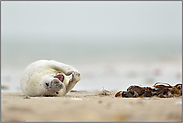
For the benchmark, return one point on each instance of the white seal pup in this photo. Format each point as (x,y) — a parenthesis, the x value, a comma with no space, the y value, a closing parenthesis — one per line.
(48,77)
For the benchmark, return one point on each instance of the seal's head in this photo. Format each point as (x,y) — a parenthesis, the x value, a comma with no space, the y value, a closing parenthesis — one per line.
(55,85)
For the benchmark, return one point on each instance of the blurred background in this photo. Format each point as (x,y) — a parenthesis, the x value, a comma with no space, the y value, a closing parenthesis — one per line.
(114,44)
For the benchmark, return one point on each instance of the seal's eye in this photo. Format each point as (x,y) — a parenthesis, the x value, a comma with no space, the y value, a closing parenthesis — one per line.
(47,84)
(56,92)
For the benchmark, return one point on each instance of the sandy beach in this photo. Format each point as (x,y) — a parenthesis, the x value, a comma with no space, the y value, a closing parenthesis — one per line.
(89,106)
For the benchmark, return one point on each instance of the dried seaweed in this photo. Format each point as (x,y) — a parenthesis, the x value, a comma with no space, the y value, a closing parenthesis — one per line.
(105,93)
(159,89)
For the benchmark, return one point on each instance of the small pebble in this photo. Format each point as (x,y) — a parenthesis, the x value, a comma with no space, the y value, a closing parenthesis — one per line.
(100,101)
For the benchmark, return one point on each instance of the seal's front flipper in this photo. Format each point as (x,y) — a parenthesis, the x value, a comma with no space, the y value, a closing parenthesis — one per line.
(72,82)
(66,69)
(75,76)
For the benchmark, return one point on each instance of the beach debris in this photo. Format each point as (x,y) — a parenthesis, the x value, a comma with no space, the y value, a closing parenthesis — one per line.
(77,91)
(27,97)
(4,87)
(100,101)
(159,89)
(105,92)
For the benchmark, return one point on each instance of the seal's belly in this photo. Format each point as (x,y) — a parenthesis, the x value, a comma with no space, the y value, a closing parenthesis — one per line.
(32,77)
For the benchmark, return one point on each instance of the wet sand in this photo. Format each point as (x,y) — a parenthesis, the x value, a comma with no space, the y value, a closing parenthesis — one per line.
(89,106)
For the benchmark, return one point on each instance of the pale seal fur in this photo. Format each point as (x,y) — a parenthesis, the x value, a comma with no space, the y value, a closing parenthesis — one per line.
(48,77)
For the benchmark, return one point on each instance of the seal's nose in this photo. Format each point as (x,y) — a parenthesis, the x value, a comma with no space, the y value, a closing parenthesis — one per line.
(57,85)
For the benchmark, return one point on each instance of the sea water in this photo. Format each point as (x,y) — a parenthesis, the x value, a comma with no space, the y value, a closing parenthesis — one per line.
(111,64)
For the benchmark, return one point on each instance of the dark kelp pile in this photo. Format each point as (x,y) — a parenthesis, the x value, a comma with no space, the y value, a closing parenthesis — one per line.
(162,90)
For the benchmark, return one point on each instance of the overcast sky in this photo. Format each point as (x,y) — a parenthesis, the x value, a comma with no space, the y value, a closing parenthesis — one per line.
(92,18)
